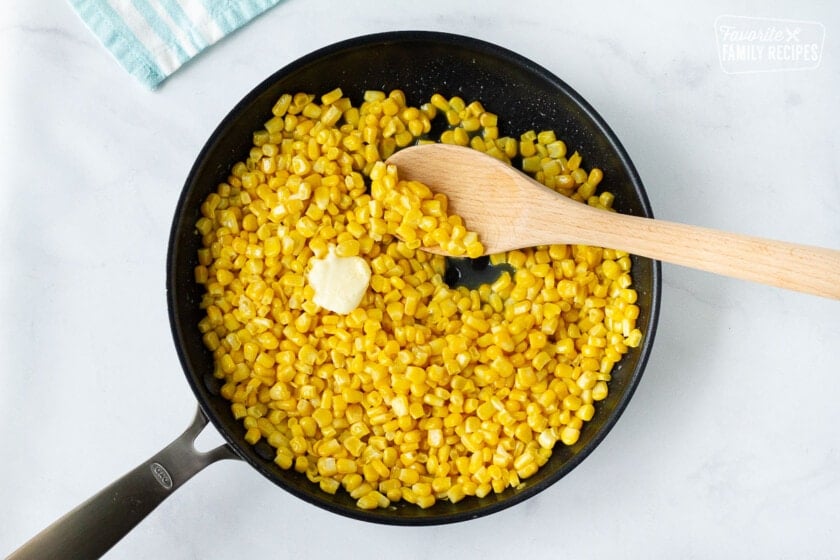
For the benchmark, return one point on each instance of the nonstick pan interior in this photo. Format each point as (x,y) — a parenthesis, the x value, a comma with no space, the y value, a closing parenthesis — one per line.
(525,96)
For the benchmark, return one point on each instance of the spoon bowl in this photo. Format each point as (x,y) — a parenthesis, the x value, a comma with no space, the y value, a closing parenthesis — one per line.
(510,210)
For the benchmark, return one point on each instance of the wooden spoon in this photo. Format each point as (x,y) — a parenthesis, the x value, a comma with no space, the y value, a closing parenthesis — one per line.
(509,210)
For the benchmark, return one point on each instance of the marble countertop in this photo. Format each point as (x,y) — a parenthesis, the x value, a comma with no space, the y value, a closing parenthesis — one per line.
(729,448)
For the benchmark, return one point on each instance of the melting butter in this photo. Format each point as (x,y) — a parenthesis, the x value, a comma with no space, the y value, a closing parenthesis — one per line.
(339,282)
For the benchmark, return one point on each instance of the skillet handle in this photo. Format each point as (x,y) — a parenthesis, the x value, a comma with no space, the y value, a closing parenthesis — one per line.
(96,525)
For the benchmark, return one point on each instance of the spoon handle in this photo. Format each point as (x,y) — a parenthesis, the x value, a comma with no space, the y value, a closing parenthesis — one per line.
(802,268)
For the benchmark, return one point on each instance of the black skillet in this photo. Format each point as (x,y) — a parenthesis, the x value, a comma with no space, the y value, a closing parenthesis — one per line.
(525,96)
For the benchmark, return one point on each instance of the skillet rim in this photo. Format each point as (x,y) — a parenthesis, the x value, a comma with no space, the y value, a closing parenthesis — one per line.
(236,442)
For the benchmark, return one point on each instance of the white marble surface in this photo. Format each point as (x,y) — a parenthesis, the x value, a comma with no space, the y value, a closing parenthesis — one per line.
(730,447)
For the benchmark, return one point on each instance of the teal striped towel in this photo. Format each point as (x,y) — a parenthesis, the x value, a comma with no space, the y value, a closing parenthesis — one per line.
(153,38)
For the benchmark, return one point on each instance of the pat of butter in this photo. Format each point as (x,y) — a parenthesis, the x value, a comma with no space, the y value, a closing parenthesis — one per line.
(339,282)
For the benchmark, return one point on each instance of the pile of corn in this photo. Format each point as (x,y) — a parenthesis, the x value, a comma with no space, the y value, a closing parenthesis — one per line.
(424,392)
(418,217)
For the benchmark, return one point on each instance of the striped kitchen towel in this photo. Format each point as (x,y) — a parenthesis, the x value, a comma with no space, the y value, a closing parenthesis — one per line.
(153,38)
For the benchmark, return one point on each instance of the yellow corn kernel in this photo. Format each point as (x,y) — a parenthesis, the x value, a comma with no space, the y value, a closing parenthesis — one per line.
(372,500)
(599,391)
(253,435)
(331,97)
(456,493)
(569,435)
